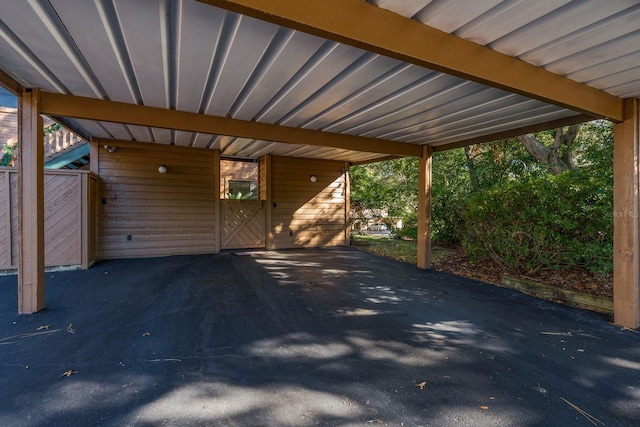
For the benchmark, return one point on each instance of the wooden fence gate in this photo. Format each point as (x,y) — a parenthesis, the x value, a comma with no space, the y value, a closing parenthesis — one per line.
(243,224)
(69,209)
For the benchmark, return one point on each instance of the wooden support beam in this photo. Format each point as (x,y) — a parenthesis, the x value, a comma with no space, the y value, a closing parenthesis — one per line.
(626,218)
(30,204)
(360,24)
(11,84)
(379,159)
(424,208)
(554,124)
(119,112)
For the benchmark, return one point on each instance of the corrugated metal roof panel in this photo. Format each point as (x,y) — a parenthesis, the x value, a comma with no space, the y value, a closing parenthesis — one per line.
(584,40)
(187,55)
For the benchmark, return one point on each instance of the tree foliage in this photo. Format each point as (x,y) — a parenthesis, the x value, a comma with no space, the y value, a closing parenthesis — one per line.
(535,202)
(386,189)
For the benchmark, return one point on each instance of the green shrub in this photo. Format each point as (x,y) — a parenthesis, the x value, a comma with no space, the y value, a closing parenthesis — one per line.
(541,223)
(409,228)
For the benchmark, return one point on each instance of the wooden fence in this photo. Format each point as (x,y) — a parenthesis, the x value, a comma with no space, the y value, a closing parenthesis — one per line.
(70,212)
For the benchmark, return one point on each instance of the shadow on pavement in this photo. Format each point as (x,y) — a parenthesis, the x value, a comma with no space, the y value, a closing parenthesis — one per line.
(333,337)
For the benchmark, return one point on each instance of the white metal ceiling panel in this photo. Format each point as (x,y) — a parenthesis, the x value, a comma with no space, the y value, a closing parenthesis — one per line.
(588,33)
(40,37)
(288,53)
(183,138)
(585,40)
(23,65)
(198,29)
(141,133)
(442,103)
(101,50)
(356,87)
(408,96)
(241,49)
(405,8)
(559,25)
(162,136)
(449,16)
(441,133)
(147,42)
(202,140)
(506,18)
(326,63)
(93,128)
(117,131)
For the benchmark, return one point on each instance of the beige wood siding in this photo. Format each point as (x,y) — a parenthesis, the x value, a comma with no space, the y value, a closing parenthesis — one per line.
(67,222)
(307,214)
(165,214)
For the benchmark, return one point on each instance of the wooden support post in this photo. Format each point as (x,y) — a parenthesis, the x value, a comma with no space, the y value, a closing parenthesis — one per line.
(30,204)
(218,203)
(424,208)
(268,231)
(94,157)
(347,205)
(626,221)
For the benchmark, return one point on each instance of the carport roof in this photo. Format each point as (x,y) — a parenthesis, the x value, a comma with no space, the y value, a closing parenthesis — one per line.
(336,79)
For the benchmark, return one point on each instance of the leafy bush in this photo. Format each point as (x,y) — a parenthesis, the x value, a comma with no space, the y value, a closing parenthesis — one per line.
(409,228)
(7,155)
(544,222)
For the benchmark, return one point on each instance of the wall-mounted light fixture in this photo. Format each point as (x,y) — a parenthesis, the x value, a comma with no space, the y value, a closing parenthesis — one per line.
(110,148)
(162,169)
(313,178)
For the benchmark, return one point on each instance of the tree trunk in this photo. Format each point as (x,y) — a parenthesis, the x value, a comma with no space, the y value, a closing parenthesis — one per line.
(549,155)
(473,175)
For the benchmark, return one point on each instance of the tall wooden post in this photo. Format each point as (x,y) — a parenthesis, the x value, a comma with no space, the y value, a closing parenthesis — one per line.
(424,208)
(268,212)
(626,221)
(217,203)
(347,205)
(30,205)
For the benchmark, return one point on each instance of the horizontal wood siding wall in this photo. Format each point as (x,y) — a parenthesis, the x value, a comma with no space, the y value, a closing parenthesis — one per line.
(305,213)
(165,214)
(66,233)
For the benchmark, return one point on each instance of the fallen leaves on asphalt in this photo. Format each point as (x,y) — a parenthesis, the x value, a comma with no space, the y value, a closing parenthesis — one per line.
(69,373)
(70,329)
(421,385)
(484,407)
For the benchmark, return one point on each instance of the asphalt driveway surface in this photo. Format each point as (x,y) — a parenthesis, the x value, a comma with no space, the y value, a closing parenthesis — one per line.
(333,337)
